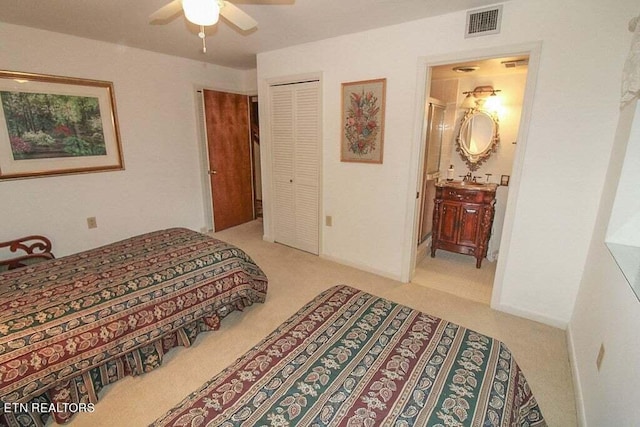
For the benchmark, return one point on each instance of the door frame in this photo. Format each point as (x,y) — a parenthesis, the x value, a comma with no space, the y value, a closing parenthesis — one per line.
(268,185)
(533,50)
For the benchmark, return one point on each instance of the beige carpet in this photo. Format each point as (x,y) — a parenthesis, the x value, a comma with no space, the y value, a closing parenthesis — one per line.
(295,278)
(457,274)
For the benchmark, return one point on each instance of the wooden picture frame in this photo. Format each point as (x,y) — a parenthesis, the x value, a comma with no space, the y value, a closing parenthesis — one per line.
(362,125)
(52,125)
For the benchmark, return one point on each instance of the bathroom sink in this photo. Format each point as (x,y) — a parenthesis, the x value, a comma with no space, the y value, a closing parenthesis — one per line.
(470,185)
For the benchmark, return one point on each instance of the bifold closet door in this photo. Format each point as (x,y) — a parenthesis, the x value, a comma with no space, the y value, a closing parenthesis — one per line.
(295,136)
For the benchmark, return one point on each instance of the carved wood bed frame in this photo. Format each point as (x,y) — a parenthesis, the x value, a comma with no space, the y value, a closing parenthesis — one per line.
(36,248)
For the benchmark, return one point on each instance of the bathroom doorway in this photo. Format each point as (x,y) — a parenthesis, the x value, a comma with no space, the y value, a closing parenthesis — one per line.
(503,79)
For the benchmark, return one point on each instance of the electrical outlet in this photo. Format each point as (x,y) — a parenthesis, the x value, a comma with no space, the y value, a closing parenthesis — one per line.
(91,222)
(328,220)
(600,356)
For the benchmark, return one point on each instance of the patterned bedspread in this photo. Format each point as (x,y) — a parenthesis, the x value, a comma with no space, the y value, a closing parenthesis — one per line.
(349,358)
(98,315)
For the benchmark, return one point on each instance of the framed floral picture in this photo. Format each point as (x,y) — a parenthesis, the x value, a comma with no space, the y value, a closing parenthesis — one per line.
(51,125)
(363,121)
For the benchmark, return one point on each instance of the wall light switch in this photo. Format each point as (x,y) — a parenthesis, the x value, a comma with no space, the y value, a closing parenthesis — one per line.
(328,220)
(91,222)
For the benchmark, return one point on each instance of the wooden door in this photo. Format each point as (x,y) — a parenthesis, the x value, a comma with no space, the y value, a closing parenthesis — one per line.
(448,229)
(469,225)
(227,122)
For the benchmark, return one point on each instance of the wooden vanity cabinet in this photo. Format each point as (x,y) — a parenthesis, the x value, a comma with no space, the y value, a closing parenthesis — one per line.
(462,219)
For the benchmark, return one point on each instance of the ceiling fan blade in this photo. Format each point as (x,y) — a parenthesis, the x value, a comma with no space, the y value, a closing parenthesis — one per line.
(166,12)
(237,17)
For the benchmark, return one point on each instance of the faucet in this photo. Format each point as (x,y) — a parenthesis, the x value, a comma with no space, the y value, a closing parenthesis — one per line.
(467,177)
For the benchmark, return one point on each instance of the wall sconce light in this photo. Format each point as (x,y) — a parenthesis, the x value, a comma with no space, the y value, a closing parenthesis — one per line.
(481,96)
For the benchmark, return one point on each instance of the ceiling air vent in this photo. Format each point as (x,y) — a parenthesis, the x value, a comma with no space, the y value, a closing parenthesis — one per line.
(481,22)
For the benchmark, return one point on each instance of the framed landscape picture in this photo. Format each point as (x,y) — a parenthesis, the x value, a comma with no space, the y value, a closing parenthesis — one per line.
(363,121)
(51,125)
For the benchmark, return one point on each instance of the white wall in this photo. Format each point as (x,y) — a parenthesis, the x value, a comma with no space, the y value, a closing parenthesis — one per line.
(624,226)
(607,312)
(573,118)
(156,106)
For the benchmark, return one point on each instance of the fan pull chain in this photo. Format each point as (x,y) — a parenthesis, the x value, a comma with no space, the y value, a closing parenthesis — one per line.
(201,35)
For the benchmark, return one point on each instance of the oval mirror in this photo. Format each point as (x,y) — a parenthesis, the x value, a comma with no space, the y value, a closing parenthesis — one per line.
(478,137)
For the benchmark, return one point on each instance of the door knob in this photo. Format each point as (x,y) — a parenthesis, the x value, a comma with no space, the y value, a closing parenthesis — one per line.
(213,172)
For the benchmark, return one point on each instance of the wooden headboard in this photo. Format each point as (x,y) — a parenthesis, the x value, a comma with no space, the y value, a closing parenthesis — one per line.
(28,250)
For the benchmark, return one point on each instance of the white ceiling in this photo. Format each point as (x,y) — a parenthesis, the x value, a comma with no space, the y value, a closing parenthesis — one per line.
(281,23)
(487,67)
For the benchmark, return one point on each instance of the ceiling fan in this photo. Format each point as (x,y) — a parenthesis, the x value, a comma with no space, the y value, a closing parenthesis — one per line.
(204,13)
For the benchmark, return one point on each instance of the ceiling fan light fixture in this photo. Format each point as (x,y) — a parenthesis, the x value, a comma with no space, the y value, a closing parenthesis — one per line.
(201,12)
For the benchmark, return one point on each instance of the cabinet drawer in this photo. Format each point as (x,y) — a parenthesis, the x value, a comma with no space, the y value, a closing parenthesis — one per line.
(473,196)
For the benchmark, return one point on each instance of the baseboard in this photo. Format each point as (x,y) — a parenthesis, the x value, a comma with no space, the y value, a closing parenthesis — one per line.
(268,238)
(577,386)
(362,267)
(531,315)
(423,250)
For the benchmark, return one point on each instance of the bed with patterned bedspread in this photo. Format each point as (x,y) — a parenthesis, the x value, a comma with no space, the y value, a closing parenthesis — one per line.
(349,358)
(70,326)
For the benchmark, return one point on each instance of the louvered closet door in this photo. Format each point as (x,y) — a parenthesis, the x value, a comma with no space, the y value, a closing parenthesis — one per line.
(295,135)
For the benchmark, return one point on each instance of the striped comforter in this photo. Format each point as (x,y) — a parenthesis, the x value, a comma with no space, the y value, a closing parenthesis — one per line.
(349,358)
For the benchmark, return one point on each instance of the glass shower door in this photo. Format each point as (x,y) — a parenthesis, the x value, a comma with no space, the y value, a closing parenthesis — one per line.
(433,154)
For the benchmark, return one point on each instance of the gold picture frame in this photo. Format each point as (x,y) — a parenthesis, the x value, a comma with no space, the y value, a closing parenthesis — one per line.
(363,108)
(53,125)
